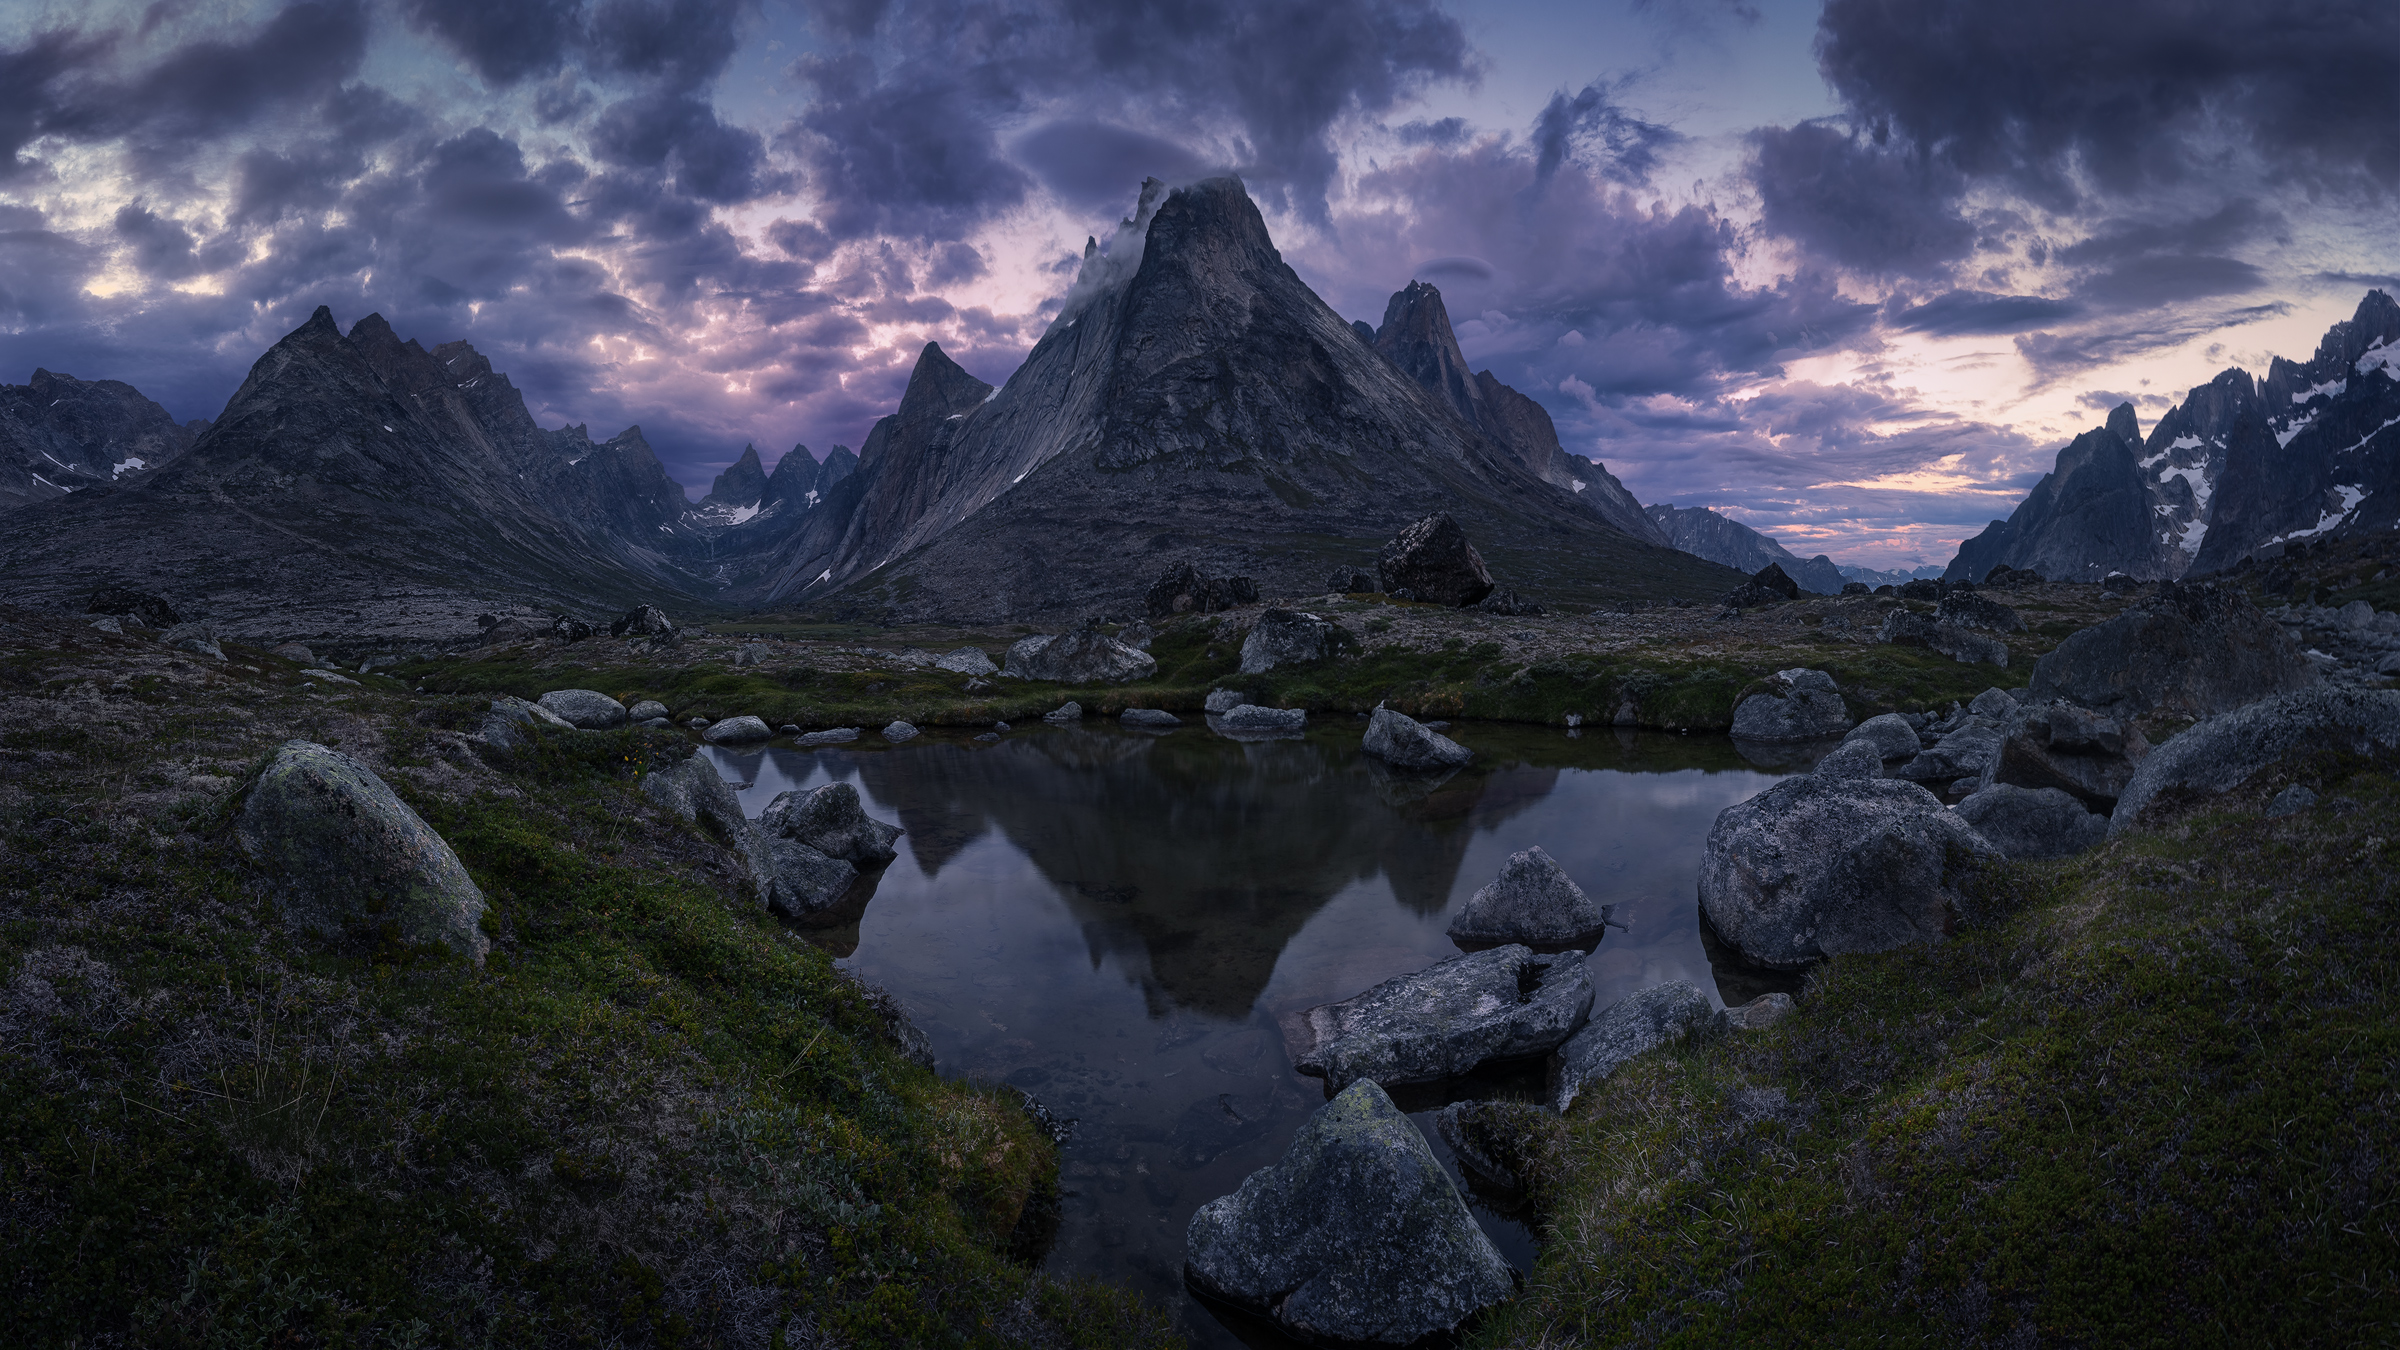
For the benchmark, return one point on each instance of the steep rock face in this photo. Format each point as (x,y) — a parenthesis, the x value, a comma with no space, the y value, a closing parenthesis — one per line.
(1705,534)
(2312,449)
(1194,401)
(1416,336)
(742,483)
(352,488)
(59,434)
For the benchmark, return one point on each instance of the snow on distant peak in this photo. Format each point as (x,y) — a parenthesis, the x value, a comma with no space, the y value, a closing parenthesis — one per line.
(2298,425)
(2383,356)
(2193,533)
(132,462)
(2329,389)
(741,514)
(1580,485)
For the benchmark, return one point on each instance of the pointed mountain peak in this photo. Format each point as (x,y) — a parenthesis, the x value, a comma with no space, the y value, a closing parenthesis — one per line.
(939,387)
(742,484)
(321,320)
(1210,225)
(1416,336)
(2121,422)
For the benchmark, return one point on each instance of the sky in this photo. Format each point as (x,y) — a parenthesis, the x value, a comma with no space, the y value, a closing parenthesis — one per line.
(1851,272)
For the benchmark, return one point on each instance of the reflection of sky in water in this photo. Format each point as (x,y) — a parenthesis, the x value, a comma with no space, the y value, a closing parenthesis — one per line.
(1114,922)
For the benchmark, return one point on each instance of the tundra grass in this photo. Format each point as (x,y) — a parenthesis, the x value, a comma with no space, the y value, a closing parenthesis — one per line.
(652,1118)
(2148,1102)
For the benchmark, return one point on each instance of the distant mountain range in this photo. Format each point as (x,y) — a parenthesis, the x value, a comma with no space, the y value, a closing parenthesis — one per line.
(1698,530)
(1194,401)
(2312,450)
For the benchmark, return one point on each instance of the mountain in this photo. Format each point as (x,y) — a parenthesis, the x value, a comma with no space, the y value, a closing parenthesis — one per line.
(1193,401)
(358,486)
(1871,577)
(2312,449)
(1416,336)
(59,434)
(1702,532)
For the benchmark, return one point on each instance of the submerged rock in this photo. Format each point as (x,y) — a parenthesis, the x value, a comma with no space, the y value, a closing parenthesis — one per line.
(1815,867)
(1632,1026)
(1157,718)
(1444,1020)
(346,852)
(1356,1235)
(1532,901)
(829,736)
(1404,743)
(1805,706)
(586,709)
(2032,822)
(1251,717)
(2216,756)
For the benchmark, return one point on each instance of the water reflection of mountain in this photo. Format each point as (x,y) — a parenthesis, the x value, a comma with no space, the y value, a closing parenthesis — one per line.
(1195,856)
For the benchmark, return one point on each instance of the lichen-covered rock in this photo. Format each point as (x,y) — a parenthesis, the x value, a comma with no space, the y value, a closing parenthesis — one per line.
(345,852)
(1405,743)
(1284,637)
(1964,752)
(2074,750)
(1804,706)
(1815,867)
(967,661)
(1084,657)
(1851,759)
(1252,717)
(694,790)
(2191,651)
(1444,1020)
(1532,901)
(1634,1025)
(1890,734)
(1433,561)
(2216,756)
(586,709)
(831,820)
(737,730)
(2029,823)
(1356,1235)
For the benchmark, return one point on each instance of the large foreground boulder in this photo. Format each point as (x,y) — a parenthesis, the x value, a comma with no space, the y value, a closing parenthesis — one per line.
(1433,562)
(2189,651)
(1444,1020)
(2071,749)
(1357,1236)
(1286,637)
(345,852)
(832,820)
(1084,657)
(2027,823)
(2216,756)
(1405,743)
(585,708)
(1183,589)
(1804,705)
(1815,867)
(1632,1026)
(1532,901)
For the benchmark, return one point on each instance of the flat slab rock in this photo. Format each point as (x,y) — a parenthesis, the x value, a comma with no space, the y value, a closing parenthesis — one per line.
(1355,1236)
(1444,1020)
(1405,743)
(1815,867)
(1252,717)
(586,708)
(344,851)
(1632,1026)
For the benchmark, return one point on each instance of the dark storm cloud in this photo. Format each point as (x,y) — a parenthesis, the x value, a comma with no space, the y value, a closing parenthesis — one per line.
(2169,277)
(2056,357)
(682,42)
(1623,147)
(1974,312)
(899,135)
(681,134)
(1871,207)
(1091,163)
(1447,131)
(505,42)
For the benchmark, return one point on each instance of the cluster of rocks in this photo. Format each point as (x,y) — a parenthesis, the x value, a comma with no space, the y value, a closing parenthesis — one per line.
(2352,644)
(1357,1236)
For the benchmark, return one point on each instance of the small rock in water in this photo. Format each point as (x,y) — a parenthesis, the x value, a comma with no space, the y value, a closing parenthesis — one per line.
(1532,901)
(830,736)
(1630,1027)
(788,729)
(899,731)
(1444,1020)
(1064,712)
(1404,743)
(2294,799)
(1223,700)
(1149,717)
(999,726)
(832,820)
(989,736)
(736,731)
(1356,1235)
(1251,717)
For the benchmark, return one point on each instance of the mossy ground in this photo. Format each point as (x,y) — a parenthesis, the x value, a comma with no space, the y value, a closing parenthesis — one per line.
(654,1117)
(2148,1102)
